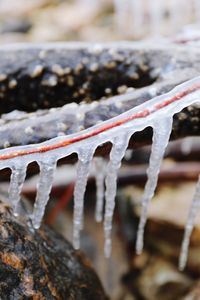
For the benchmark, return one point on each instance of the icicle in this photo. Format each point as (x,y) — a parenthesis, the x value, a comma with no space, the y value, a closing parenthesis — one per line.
(122,10)
(16,183)
(43,190)
(156,15)
(161,134)
(117,153)
(189,226)
(186,145)
(137,16)
(197,10)
(83,168)
(100,168)
(175,14)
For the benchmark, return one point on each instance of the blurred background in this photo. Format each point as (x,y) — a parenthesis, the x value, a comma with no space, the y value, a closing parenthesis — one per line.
(93,20)
(154,275)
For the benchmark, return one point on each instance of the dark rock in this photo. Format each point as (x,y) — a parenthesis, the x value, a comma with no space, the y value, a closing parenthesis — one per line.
(42,265)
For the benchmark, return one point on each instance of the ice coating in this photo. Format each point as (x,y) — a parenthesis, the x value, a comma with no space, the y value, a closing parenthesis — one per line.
(18,176)
(119,147)
(161,135)
(189,226)
(100,170)
(43,190)
(155,111)
(83,167)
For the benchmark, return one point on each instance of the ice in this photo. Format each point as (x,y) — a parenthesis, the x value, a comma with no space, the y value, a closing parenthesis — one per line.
(161,134)
(122,10)
(83,167)
(100,171)
(197,10)
(16,183)
(175,14)
(43,190)
(156,112)
(137,16)
(186,145)
(189,226)
(156,15)
(119,147)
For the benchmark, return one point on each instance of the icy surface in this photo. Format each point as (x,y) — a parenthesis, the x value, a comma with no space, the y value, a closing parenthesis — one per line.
(189,226)
(43,190)
(18,176)
(100,171)
(83,167)
(117,153)
(116,130)
(161,135)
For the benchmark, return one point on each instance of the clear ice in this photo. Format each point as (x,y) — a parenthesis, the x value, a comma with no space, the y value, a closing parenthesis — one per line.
(100,171)
(119,147)
(161,135)
(43,190)
(18,176)
(159,117)
(189,226)
(83,167)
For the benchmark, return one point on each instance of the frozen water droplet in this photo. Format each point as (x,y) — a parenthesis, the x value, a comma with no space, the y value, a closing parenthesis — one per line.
(161,134)
(189,226)
(100,170)
(83,167)
(43,190)
(16,183)
(117,153)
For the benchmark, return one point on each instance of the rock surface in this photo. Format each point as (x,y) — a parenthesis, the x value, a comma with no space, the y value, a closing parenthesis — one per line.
(42,265)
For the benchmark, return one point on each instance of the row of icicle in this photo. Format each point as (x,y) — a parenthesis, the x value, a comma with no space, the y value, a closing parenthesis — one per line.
(149,16)
(160,121)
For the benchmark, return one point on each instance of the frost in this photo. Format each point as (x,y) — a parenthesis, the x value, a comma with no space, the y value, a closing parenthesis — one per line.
(189,226)
(43,191)
(161,135)
(84,162)
(100,172)
(117,153)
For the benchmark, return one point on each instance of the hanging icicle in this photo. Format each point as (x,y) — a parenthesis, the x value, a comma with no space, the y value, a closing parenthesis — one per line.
(156,112)
(161,135)
(189,226)
(117,153)
(156,16)
(18,176)
(137,16)
(100,171)
(43,190)
(85,157)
